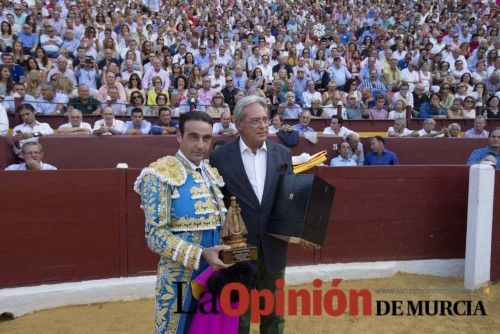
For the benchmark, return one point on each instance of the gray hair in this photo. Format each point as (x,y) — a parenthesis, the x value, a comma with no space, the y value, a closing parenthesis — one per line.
(73,111)
(454,125)
(32,142)
(243,103)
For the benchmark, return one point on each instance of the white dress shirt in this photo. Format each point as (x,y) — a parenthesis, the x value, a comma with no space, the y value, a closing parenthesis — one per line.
(83,125)
(22,166)
(117,125)
(4,122)
(255,167)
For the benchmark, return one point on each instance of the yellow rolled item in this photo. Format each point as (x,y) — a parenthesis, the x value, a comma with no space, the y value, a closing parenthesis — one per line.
(315,160)
(197,289)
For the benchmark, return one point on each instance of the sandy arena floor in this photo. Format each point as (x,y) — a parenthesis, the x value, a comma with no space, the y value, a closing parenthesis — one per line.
(136,317)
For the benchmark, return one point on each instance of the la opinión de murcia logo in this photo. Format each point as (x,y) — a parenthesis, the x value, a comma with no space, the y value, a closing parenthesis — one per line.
(316,302)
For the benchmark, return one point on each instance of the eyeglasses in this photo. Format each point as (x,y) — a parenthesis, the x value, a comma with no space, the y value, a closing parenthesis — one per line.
(258,121)
(229,80)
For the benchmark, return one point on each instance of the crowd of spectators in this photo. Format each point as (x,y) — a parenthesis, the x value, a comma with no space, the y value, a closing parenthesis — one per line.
(336,60)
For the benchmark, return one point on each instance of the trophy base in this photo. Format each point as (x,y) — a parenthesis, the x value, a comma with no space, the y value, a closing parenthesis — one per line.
(230,256)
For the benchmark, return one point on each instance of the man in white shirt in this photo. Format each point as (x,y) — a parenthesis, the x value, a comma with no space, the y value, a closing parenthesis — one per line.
(225,126)
(75,124)
(32,154)
(399,129)
(309,94)
(156,71)
(108,125)
(30,129)
(428,129)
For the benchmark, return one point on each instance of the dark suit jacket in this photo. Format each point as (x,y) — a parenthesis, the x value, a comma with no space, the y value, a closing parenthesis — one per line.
(228,161)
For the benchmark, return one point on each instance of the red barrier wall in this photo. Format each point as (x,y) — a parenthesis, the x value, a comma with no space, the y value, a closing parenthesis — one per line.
(69,152)
(59,226)
(396,213)
(75,225)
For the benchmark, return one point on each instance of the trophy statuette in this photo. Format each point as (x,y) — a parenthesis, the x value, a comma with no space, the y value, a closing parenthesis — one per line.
(233,235)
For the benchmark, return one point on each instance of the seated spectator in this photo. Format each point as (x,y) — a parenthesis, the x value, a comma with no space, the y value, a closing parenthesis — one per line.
(403,94)
(399,129)
(353,109)
(4,122)
(309,94)
(108,125)
(50,42)
(317,110)
(206,92)
(111,81)
(118,105)
(87,73)
(50,102)
(30,129)
(433,108)
(155,91)
(478,130)
(225,126)
(62,69)
(75,124)
(85,102)
(191,103)
(229,92)
(399,110)
(429,129)
(357,150)
(16,70)
(137,101)
(452,130)
(165,125)
(419,97)
(276,124)
(373,83)
(469,107)
(217,106)
(410,76)
(379,154)
(343,159)
(491,108)
(17,98)
(137,126)
(291,110)
(28,39)
(303,125)
(456,111)
(378,112)
(32,154)
(337,129)
(488,154)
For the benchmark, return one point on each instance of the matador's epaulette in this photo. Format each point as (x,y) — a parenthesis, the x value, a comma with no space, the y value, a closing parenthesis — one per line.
(168,169)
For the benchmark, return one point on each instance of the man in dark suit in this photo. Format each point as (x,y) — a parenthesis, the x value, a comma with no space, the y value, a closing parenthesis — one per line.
(250,167)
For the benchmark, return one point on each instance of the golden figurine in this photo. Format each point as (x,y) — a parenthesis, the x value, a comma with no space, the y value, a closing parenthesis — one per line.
(233,234)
